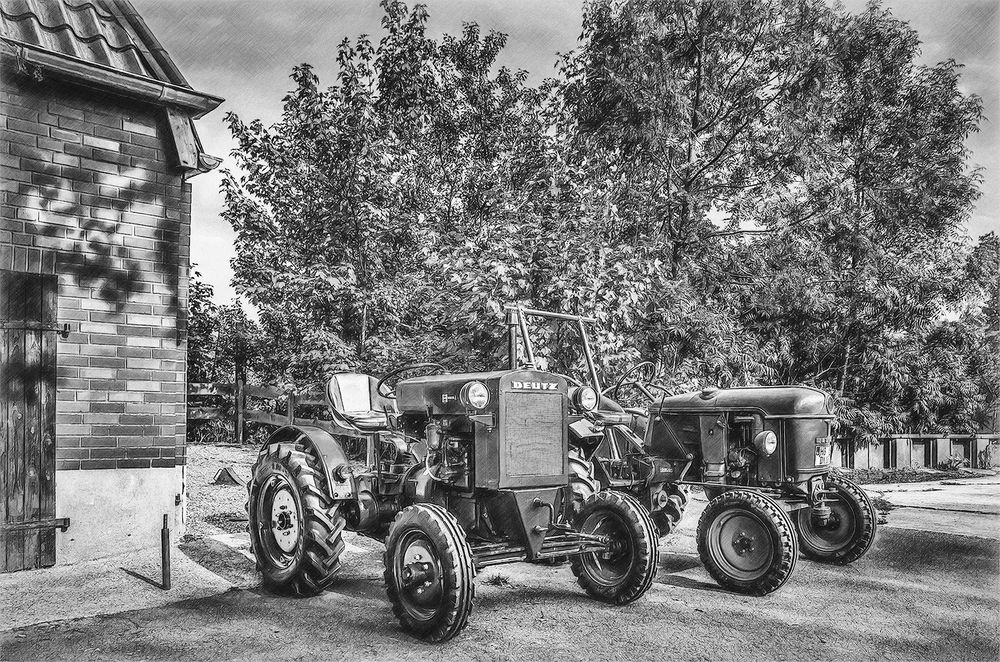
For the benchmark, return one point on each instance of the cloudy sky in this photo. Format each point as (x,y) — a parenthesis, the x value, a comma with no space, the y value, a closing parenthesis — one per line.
(243,50)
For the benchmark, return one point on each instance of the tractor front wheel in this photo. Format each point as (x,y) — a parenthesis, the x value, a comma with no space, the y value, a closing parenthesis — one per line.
(669,516)
(847,533)
(626,570)
(429,572)
(747,542)
(295,528)
(582,483)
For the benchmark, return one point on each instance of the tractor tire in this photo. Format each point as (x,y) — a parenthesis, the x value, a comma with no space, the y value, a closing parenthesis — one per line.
(850,532)
(581,480)
(669,517)
(627,572)
(429,572)
(747,542)
(295,527)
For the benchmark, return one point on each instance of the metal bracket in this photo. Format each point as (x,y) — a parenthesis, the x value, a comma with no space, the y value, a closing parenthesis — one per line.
(27,68)
(61,523)
(62,330)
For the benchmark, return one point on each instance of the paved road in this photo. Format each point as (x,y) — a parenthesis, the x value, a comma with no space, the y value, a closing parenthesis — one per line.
(917,595)
(961,507)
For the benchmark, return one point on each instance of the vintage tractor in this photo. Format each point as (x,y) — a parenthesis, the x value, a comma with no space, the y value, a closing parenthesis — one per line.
(454,472)
(761,455)
(605,451)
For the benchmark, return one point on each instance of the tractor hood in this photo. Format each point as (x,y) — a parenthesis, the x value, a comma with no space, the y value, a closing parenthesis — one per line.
(771,401)
(442,394)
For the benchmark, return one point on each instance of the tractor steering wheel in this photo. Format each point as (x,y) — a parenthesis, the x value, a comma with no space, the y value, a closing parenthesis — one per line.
(390,393)
(642,385)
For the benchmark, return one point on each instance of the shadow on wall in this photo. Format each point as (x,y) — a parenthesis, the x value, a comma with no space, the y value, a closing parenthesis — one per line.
(105,216)
(97,242)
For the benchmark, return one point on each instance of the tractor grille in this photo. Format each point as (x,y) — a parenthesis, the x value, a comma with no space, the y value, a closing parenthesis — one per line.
(533,432)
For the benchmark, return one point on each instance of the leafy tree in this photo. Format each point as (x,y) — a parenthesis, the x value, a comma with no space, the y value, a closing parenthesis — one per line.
(342,205)
(753,191)
(203,330)
(857,292)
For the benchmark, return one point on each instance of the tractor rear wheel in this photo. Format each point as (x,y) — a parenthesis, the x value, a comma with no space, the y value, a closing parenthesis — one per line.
(295,528)
(626,571)
(747,542)
(429,572)
(849,531)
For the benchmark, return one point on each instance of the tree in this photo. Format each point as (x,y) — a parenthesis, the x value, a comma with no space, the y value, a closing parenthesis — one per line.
(203,330)
(863,286)
(343,204)
(752,191)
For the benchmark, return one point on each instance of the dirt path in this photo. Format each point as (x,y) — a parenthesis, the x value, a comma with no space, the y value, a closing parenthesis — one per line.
(910,599)
(918,595)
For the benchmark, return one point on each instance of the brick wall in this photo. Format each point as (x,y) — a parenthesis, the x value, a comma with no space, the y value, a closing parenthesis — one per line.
(89,194)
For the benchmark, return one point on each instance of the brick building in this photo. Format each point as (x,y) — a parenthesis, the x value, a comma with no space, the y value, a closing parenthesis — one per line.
(96,151)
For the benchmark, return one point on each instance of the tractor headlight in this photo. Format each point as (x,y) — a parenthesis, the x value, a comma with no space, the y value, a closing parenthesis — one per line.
(766,442)
(585,399)
(475,395)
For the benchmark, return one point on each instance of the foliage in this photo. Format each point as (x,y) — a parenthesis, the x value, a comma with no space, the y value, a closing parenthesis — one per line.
(762,191)
(224,346)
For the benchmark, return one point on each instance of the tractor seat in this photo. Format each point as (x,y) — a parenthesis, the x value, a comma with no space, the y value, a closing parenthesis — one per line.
(354,402)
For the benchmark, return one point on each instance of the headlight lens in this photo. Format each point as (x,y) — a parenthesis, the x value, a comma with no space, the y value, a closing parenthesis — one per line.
(585,398)
(475,395)
(766,442)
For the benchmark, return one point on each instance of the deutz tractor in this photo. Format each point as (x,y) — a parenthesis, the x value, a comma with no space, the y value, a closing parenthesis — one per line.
(454,472)
(605,451)
(761,455)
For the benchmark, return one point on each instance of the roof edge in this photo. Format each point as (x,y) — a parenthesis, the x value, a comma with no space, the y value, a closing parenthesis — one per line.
(97,75)
(147,41)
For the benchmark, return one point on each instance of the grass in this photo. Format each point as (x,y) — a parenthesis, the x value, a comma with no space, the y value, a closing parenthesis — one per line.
(902,475)
(883,506)
(499,580)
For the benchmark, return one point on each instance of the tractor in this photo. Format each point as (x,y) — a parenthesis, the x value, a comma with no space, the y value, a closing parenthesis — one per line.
(761,454)
(453,472)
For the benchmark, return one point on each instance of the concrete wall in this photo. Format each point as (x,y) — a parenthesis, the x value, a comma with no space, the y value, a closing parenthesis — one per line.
(979,451)
(114,511)
(90,193)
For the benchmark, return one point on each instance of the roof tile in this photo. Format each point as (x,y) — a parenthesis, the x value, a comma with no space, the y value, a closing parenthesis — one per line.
(78,28)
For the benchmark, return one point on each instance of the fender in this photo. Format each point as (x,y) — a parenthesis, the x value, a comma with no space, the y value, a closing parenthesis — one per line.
(328,450)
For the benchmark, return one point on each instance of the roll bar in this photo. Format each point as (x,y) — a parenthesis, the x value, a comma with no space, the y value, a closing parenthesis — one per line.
(516,326)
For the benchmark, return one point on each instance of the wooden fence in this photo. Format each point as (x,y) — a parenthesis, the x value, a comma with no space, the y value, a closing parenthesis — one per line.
(898,451)
(239,393)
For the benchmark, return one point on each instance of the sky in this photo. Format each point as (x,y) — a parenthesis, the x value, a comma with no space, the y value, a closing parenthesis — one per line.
(244,50)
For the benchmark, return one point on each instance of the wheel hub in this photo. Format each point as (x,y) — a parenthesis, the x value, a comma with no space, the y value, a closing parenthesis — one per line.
(743,544)
(285,520)
(418,573)
(419,577)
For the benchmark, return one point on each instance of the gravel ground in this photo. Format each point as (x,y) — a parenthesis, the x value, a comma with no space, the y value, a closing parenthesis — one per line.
(918,595)
(215,509)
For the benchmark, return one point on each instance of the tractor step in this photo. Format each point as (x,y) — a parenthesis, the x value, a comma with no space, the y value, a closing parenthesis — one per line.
(565,544)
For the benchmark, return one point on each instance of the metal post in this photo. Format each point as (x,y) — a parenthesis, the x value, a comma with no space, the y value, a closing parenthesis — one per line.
(165,552)
(241,404)
(511,339)
(589,355)
(529,352)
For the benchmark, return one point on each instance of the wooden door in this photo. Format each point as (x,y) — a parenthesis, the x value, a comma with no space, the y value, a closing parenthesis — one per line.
(27,421)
